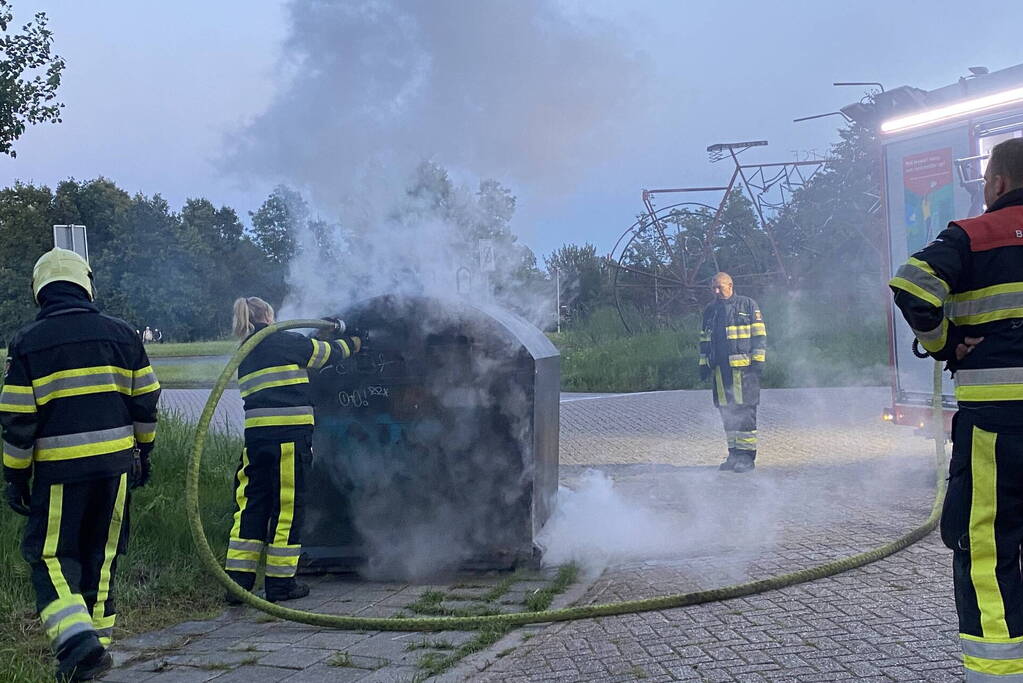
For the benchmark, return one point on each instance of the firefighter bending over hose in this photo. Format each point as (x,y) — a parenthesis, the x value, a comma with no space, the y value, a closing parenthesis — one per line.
(270,481)
(733,342)
(962,295)
(78,410)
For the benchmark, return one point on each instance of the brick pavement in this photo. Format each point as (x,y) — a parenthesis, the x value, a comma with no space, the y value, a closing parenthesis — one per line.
(831,481)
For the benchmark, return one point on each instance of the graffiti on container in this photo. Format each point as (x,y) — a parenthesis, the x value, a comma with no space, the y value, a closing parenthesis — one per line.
(380,364)
(360,398)
(353,399)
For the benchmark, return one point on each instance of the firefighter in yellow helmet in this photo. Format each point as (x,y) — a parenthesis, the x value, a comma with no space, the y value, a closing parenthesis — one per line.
(962,295)
(270,481)
(78,411)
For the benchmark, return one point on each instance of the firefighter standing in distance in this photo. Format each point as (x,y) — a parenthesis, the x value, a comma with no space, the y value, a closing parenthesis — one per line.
(270,481)
(78,410)
(733,343)
(962,295)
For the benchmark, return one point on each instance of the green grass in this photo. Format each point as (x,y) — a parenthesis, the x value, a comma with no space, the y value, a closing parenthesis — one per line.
(429,645)
(159,581)
(434,663)
(541,599)
(188,375)
(341,659)
(808,344)
(430,603)
(207,348)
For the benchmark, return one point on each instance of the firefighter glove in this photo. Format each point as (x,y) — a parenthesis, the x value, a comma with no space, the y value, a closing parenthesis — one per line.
(18,496)
(140,470)
(354,343)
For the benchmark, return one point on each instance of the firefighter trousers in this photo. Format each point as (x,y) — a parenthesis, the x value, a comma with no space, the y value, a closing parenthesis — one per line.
(736,394)
(982,522)
(73,536)
(740,422)
(269,509)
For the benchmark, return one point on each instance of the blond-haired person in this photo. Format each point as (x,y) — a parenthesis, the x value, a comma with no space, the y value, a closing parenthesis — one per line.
(269,483)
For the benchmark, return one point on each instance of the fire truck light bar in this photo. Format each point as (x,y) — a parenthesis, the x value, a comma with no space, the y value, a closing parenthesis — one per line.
(951,111)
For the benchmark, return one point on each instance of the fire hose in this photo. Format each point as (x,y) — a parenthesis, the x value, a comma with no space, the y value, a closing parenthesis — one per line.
(213,566)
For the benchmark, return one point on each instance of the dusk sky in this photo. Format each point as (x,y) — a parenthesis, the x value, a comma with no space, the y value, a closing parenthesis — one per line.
(187,98)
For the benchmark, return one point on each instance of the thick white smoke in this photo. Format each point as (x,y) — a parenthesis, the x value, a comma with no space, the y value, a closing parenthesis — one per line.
(516,91)
(525,93)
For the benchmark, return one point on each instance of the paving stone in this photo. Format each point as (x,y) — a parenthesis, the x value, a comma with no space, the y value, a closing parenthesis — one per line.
(159,640)
(295,657)
(184,675)
(333,640)
(324,673)
(396,674)
(258,646)
(380,611)
(241,629)
(386,646)
(197,645)
(128,674)
(194,628)
(209,660)
(255,674)
(831,481)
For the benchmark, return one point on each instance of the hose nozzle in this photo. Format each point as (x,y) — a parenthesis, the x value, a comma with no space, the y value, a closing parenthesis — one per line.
(339,325)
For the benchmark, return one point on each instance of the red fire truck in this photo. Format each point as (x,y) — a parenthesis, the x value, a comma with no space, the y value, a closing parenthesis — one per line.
(935,146)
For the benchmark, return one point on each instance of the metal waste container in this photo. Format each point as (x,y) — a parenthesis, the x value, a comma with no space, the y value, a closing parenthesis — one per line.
(436,448)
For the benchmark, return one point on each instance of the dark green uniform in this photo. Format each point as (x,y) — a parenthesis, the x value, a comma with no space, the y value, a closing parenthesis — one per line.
(269,483)
(79,397)
(733,343)
(969,283)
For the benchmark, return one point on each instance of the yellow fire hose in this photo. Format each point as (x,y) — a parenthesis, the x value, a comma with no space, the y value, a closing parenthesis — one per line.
(210,562)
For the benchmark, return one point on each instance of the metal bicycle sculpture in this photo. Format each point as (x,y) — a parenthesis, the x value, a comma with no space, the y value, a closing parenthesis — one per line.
(663,260)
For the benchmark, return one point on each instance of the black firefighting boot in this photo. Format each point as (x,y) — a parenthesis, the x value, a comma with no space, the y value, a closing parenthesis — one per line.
(743,463)
(729,463)
(278,590)
(82,659)
(244,579)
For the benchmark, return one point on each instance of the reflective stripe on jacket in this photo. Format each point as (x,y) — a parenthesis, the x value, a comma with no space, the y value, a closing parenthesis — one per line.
(78,397)
(743,330)
(969,283)
(274,383)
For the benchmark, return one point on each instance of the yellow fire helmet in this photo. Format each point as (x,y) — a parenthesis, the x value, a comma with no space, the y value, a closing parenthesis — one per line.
(61,265)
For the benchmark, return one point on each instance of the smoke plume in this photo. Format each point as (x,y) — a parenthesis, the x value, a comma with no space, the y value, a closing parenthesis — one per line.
(518,91)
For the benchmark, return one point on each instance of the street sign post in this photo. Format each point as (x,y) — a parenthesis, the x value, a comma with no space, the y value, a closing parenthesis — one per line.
(73,238)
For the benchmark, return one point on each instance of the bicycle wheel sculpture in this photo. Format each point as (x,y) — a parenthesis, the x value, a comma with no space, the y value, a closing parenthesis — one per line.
(663,263)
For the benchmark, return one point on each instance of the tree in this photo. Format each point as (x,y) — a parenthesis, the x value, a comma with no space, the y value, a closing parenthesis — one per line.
(276,222)
(29,77)
(26,219)
(227,264)
(584,278)
(831,232)
(275,228)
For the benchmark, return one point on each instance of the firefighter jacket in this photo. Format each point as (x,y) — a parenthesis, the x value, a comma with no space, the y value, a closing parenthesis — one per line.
(738,323)
(274,384)
(79,396)
(969,283)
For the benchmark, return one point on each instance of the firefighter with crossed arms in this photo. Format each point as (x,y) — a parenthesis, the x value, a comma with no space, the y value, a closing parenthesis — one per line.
(78,411)
(733,348)
(962,295)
